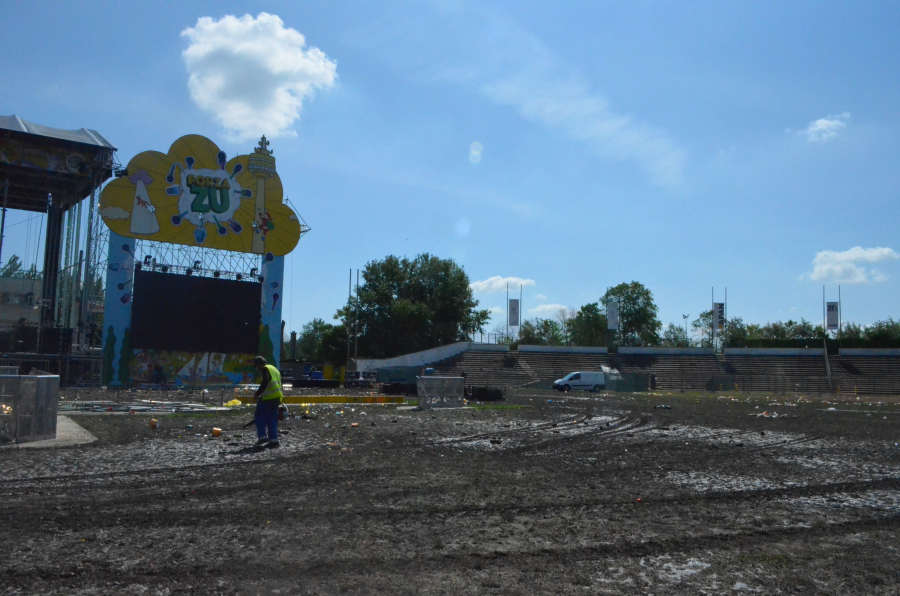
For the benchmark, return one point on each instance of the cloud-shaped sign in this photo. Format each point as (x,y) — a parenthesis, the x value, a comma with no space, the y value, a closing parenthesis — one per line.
(114,213)
(193,195)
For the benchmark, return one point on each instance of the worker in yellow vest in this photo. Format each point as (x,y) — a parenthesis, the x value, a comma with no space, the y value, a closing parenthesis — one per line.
(268,398)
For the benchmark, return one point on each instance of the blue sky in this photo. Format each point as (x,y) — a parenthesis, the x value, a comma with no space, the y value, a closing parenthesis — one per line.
(753,146)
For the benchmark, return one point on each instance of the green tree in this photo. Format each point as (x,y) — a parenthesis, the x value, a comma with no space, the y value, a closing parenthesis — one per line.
(674,336)
(12,267)
(408,305)
(322,343)
(638,322)
(851,335)
(588,327)
(309,341)
(701,329)
(735,334)
(792,330)
(334,345)
(882,334)
(541,332)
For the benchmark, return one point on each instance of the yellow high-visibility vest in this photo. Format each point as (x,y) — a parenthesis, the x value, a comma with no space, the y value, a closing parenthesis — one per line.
(273,389)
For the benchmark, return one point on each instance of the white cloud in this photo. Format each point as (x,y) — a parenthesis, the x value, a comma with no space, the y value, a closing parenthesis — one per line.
(541,297)
(496,310)
(252,74)
(475,150)
(114,213)
(846,266)
(498,284)
(564,102)
(825,128)
(546,309)
(513,68)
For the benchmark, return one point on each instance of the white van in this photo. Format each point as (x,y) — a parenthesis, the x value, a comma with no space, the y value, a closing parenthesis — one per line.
(584,381)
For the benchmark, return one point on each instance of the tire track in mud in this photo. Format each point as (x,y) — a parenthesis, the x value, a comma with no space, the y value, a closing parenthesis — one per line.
(619,423)
(209,496)
(510,432)
(592,435)
(365,563)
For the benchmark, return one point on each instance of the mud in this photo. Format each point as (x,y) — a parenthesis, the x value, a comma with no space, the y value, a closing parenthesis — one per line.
(605,494)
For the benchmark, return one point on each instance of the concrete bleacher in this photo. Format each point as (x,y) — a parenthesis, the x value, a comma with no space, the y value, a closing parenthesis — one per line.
(546,367)
(518,368)
(689,369)
(777,370)
(866,371)
(673,369)
(484,369)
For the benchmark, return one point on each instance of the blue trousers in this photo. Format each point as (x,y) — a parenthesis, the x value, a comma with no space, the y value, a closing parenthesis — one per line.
(267,419)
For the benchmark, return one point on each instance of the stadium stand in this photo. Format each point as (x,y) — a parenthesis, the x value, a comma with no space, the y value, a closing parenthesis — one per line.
(866,374)
(778,373)
(690,372)
(770,370)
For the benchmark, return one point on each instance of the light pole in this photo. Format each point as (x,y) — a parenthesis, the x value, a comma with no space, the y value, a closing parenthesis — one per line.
(686,342)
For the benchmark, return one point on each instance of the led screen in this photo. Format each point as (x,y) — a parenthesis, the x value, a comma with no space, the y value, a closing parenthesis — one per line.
(194,314)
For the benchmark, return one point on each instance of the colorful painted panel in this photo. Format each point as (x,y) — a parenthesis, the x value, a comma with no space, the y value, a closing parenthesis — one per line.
(192,368)
(45,157)
(194,195)
(117,351)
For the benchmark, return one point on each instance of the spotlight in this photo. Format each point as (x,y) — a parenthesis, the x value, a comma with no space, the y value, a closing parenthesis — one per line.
(216,274)
(254,271)
(165,268)
(261,279)
(138,266)
(239,277)
(196,264)
(189,271)
(147,259)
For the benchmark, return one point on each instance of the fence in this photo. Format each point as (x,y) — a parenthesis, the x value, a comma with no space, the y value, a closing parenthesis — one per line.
(440,392)
(772,383)
(28,406)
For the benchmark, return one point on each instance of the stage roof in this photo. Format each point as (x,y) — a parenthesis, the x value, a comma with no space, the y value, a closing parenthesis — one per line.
(82,135)
(40,160)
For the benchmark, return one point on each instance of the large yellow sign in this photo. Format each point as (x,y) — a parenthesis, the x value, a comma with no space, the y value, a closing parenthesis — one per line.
(193,196)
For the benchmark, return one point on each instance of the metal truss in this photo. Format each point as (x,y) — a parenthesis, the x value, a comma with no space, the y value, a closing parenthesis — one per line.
(204,262)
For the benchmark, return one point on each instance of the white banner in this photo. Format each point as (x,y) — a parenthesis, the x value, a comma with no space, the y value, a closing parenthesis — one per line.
(513,312)
(832,312)
(612,316)
(719,315)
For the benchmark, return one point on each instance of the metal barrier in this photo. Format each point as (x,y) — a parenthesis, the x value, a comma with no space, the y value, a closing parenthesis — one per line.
(28,407)
(440,392)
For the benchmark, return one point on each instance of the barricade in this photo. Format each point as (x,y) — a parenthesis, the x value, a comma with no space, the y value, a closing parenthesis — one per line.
(28,407)
(440,392)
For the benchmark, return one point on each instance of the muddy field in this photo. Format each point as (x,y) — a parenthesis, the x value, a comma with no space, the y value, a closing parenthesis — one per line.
(626,494)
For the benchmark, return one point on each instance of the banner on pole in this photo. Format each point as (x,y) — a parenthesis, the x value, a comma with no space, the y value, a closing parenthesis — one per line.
(719,315)
(612,316)
(513,312)
(832,311)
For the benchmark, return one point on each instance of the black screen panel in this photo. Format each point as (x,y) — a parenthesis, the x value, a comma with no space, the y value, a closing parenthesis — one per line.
(194,314)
